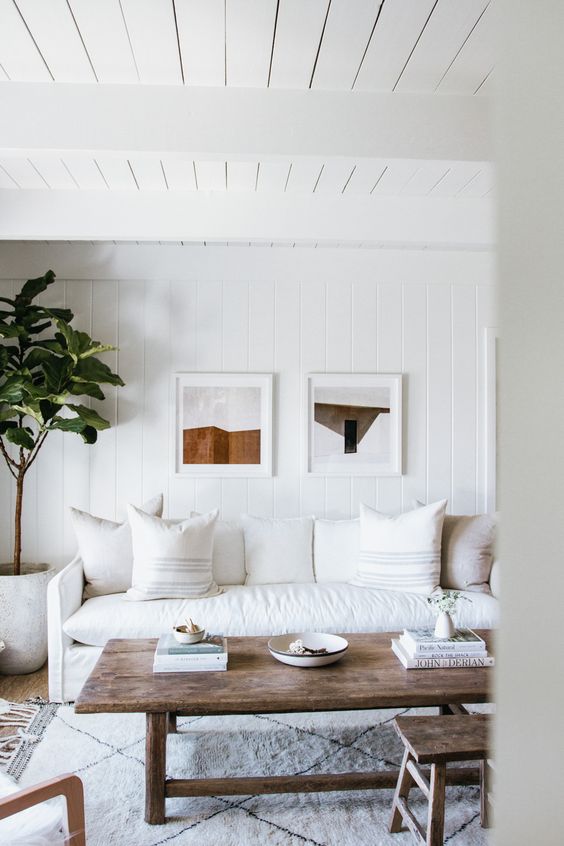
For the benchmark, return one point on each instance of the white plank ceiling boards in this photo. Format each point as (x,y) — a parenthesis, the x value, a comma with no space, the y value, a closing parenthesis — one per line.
(332,112)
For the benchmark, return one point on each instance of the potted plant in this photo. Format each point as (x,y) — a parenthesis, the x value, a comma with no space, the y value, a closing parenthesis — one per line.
(444,604)
(46,366)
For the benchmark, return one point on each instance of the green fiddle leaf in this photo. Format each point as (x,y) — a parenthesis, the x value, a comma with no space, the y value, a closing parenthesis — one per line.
(87,389)
(36,357)
(38,327)
(3,358)
(21,437)
(68,424)
(89,435)
(57,373)
(48,409)
(93,370)
(11,330)
(5,425)
(71,338)
(62,313)
(51,345)
(31,410)
(8,413)
(90,417)
(33,287)
(12,390)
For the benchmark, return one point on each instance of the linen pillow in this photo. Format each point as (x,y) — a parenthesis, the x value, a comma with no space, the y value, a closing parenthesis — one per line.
(336,547)
(278,551)
(171,559)
(228,560)
(105,549)
(401,553)
(467,552)
(495,579)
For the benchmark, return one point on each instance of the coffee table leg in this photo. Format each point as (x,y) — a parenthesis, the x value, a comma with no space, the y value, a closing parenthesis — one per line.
(172,728)
(155,768)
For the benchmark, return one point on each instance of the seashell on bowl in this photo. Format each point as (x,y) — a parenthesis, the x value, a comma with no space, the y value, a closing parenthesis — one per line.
(307,649)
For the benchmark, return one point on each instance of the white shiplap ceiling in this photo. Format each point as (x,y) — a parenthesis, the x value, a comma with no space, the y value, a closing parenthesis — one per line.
(444,46)
(376,177)
(430,49)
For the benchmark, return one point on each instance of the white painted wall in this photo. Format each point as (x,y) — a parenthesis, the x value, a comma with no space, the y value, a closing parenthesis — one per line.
(291,317)
(530,681)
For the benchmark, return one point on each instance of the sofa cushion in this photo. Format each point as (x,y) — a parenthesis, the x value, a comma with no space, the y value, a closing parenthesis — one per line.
(467,552)
(228,560)
(401,553)
(278,550)
(106,551)
(170,558)
(271,609)
(336,546)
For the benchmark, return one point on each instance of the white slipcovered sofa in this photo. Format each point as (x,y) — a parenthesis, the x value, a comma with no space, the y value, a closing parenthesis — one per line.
(79,628)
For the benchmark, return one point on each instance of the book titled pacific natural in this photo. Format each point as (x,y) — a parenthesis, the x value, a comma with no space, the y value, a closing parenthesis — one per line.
(425,662)
(209,654)
(421,641)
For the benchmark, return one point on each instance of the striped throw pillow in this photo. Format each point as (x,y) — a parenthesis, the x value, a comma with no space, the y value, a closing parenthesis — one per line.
(401,553)
(171,559)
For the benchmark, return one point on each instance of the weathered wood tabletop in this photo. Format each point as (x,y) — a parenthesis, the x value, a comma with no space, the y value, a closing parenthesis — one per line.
(368,676)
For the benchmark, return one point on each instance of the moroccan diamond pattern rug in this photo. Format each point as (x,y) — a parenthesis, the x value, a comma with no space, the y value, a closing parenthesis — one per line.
(107,752)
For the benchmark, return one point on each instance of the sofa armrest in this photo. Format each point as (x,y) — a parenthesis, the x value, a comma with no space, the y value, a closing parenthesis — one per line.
(64,597)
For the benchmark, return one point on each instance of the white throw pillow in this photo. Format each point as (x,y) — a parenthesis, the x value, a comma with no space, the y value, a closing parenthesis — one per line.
(278,551)
(336,547)
(171,559)
(401,553)
(106,551)
(228,561)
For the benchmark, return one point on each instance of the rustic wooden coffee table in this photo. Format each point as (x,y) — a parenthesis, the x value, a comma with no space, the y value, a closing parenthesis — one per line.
(369,676)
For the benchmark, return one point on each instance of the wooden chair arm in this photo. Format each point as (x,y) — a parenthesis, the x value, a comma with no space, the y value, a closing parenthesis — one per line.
(69,786)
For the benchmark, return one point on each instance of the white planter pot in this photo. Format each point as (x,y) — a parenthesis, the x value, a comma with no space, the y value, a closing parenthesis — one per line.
(23,617)
(444,627)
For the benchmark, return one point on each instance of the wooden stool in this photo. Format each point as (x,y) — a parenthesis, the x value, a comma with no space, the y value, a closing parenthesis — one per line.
(436,741)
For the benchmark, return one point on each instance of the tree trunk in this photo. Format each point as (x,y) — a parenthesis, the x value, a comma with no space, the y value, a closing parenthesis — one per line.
(18,523)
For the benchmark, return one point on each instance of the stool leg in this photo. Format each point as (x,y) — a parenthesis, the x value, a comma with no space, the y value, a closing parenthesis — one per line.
(436,818)
(405,780)
(484,794)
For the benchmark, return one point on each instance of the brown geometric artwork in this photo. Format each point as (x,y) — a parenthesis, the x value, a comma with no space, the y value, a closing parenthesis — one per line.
(352,422)
(212,445)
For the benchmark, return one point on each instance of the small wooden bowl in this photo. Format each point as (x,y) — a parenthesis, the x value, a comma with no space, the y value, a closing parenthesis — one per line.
(183,636)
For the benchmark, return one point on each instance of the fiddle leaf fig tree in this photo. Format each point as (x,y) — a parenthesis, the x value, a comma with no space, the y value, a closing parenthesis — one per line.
(43,375)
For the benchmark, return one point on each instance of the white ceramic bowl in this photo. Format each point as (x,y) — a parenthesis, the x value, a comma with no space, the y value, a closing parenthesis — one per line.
(188,637)
(335,645)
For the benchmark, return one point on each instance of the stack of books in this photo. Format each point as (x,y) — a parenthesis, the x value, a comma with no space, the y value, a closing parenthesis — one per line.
(209,654)
(419,649)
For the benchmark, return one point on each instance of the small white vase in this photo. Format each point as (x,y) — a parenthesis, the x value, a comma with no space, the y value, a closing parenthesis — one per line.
(444,627)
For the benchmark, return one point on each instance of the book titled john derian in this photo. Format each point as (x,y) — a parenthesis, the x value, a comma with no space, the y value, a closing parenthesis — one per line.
(209,654)
(464,649)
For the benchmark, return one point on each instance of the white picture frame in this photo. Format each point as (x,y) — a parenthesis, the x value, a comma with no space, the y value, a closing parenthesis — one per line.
(219,420)
(333,443)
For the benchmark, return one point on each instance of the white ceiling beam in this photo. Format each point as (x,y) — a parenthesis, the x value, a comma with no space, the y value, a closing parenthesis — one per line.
(239,124)
(281,264)
(182,216)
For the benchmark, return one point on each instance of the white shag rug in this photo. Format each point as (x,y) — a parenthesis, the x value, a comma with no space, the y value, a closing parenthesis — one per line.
(107,752)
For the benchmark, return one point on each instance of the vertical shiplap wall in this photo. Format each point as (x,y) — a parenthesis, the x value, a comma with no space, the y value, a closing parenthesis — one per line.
(433,333)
